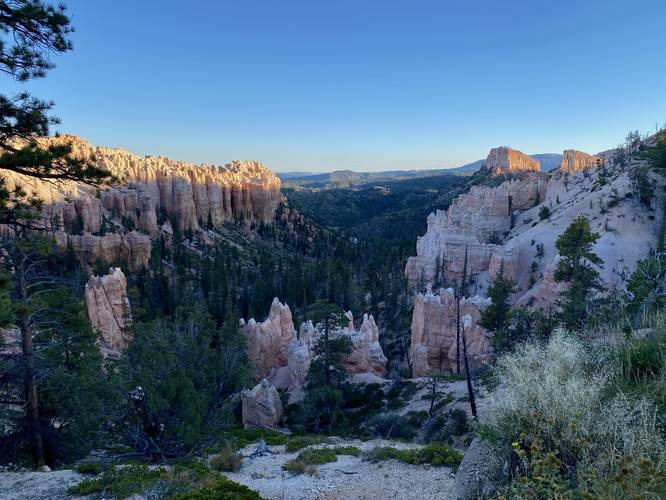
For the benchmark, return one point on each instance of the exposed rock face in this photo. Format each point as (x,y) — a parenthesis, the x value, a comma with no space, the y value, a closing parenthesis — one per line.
(132,248)
(434,346)
(109,310)
(277,353)
(261,406)
(268,341)
(573,161)
(504,160)
(477,222)
(523,245)
(149,188)
(243,190)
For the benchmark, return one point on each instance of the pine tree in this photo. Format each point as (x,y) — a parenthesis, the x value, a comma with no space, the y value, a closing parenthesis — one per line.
(30,31)
(497,316)
(576,268)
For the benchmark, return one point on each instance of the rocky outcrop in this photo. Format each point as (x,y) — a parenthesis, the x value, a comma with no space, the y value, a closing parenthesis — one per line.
(109,311)
(190,194)
(573,161)
(132,248)
(479,473)
(148,190)
(261,406)
(508,228)
(476,223)
(277,353)
(268,341)
(434,331)
(504,160)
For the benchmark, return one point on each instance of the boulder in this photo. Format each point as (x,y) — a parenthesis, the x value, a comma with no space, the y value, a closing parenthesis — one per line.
(481,469)
(261,406)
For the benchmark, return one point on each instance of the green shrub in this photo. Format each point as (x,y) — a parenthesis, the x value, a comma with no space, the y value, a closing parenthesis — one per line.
(436,454)
(93,468)
(223,489)
(120,482)
(295,443)
(307,459)
(227,460)
(544,212)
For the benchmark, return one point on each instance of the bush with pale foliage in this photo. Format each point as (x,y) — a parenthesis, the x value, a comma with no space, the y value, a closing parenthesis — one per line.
(559,402)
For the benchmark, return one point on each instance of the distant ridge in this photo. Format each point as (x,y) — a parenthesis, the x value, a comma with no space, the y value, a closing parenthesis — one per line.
(549,161)
(342,178)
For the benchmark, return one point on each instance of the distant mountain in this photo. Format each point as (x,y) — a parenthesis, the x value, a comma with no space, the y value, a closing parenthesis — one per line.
(549,161)
(290,175)
(349,178)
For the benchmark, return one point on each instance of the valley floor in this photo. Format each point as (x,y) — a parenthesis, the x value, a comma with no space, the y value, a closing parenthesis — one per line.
(347,478)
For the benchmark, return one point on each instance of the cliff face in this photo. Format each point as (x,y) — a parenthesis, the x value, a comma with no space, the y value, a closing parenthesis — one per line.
(476,222)
(573,161)
(504,160)
(109,311)
(434,329)
(277,353)
(150,188)
(514,227)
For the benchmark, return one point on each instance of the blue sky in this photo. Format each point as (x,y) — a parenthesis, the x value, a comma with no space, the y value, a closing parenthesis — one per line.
(361,85)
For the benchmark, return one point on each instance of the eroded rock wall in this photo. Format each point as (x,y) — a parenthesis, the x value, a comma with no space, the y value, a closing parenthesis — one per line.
(504,160)
(434,333)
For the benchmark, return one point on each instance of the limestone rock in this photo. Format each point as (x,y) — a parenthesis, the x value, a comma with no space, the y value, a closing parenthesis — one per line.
(191,195)
(573,161)
(133,248)
(268,341)
(367,355)
(261,406)
(504,160)
(476,222)
(433,346)
(109,311)
(276,353)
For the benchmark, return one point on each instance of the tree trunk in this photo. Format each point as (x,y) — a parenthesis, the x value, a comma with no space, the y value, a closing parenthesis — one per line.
(458,334)
(30,386)
(470,388)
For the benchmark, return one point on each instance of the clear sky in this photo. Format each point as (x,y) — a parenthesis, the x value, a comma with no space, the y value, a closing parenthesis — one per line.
(358,84)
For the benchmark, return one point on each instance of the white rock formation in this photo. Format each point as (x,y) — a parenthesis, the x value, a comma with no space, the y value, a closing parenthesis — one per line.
(434,332)
(477,222)
(268,341)
(109,311)
(277,353)
(261,406)
(191,195)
